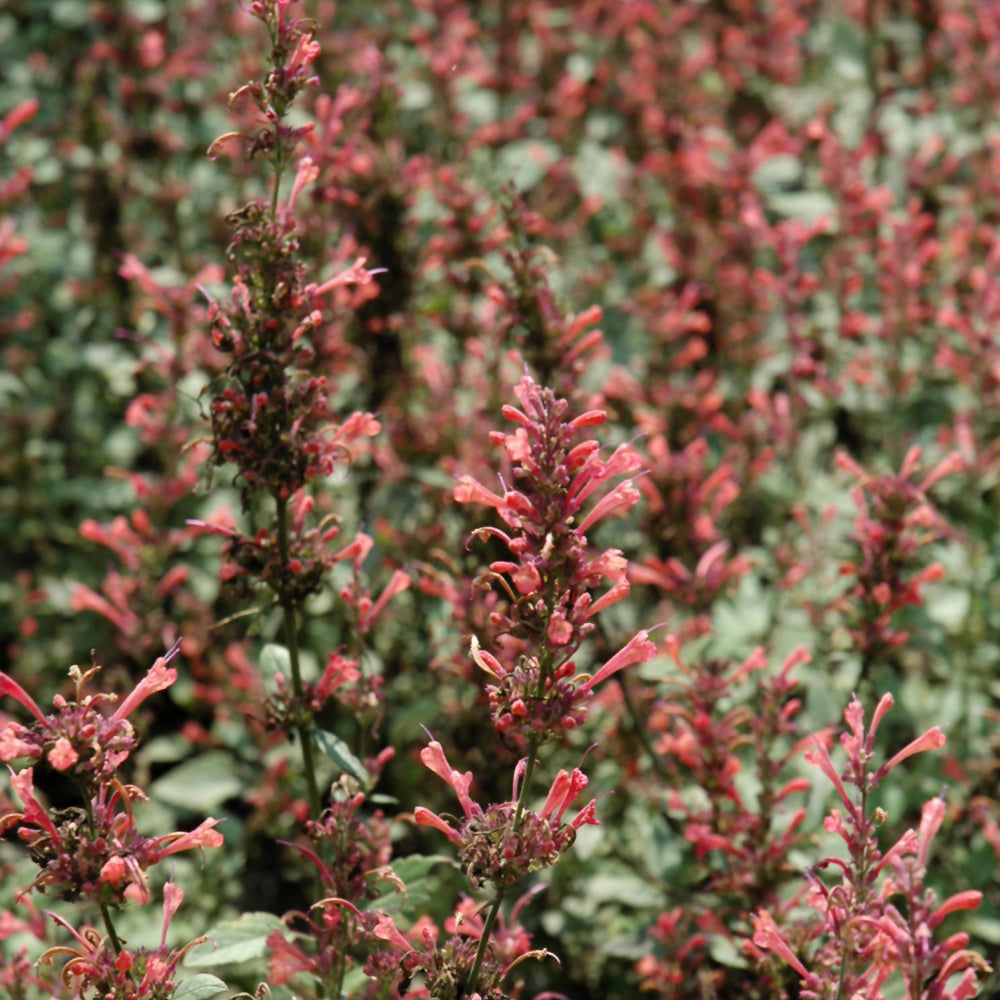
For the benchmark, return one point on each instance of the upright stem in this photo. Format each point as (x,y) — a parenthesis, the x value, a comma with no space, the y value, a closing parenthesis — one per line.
(302,728)
(529,773)
(279,169)
(491,917)
(484,940)
(116,945)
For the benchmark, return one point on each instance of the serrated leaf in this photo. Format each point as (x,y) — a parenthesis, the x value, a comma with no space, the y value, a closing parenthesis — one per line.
(200,784)
(338,751)
(413,872)
(239,940)
(417,866)
(200,987)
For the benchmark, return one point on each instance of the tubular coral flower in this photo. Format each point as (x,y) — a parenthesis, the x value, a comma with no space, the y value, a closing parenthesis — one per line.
(968,899)
(23,784)
(433,757)
(398,582)
(638,650)
(9,686)
(933,739)
(620,590)
(86,599)
(566,787)
(385,929)
(950,464)
(620,500)
(356,274)
(306,50)
(883,706)
(158,678)
(12,746)
(287,960)
(468,490)
(424,817)
(767,935)
(306,174)
(203,835)
(931,817)
(17,117)
(821,759)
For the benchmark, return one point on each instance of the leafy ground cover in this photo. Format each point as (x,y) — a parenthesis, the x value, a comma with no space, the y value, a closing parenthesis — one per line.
(518,482)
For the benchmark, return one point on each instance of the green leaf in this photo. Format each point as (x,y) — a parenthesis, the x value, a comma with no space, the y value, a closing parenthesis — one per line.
(421,888)
(805,205)
(623,888)
(200,987)
(726,952)
(949,607)
(274,659)
(239,940)
(338,751)
(199,785)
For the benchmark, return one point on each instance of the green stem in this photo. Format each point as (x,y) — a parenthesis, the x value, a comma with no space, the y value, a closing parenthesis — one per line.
(529,773)
(491,917)
(484,940)
(302,727)
(105,912)
(109,926)
(278,171)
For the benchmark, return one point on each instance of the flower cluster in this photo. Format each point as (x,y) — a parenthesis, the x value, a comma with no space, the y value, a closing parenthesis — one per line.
(271,412)
(93,850)
(351,856)
(716,725)
(95,968)
(78,738)
(445,965)
(879,919)
(895,520)
(271,416)
(505,841)
(552,344)
(551,576)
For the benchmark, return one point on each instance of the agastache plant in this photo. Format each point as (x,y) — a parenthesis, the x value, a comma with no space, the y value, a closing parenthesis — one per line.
(125,974)
(549,580)
(93,851)
(729,730)
(877,922)
(895,520)
(560,490)
(270,412)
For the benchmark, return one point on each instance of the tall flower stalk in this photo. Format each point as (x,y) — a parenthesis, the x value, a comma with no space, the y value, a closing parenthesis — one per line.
(560,489)
(270,412)
(877,921)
